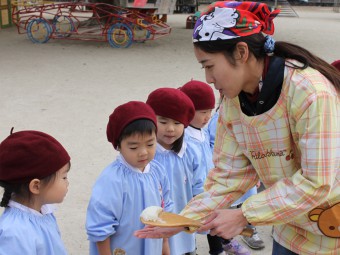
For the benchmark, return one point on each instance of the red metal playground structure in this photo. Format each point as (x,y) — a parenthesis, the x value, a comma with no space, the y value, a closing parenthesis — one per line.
(87,21)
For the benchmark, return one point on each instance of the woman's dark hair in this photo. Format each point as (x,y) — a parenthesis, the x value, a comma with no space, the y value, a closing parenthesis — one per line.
(21,190)
(177,146)
(219,102)
(282,49)
(140,126)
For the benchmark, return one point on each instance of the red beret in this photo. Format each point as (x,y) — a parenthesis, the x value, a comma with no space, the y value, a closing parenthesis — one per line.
(200,93)
(336,64)
(172,103)
(27,155)
(124,115)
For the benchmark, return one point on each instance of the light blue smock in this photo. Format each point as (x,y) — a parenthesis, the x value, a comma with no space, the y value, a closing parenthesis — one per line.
(212,132)
(211,128)
(119,196)
(200,139)
(26,231)
(186,181)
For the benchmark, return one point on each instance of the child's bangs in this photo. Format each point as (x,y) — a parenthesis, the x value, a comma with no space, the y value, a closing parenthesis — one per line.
(141,126)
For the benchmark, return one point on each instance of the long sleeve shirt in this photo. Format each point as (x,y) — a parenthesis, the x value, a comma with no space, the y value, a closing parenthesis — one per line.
(294,148)
(212,133)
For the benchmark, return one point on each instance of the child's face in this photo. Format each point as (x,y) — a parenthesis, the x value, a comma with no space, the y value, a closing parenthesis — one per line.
(138,149)
(56,191)
(201,118)
(168,131)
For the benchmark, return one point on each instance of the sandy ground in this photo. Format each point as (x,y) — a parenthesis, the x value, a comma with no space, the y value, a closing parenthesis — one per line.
(69,88)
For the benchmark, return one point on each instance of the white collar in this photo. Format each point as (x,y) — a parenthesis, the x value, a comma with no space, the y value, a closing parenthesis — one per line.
(45,209)
(198,134)
(135,169)
(180,153)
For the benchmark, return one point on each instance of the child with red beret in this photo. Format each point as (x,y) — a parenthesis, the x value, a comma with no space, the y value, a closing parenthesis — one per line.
(33,173)
(128,185)
(203,98)
(175,111)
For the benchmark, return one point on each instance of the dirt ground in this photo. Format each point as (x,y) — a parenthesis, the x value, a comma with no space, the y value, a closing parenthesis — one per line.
(69,88)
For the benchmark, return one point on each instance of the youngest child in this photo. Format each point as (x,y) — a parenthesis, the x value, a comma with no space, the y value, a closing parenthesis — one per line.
(33,172)
(128,185)
(203,98)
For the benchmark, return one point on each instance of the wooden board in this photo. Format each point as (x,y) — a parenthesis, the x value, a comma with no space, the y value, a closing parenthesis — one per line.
(175,220)
(172,220)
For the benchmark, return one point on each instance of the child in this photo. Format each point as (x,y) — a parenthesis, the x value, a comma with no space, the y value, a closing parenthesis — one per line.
(202,95)
(174,112)
(33,173)
(203,98)
(128,185)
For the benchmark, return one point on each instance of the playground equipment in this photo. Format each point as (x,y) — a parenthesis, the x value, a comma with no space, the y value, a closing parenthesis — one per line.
(86,21)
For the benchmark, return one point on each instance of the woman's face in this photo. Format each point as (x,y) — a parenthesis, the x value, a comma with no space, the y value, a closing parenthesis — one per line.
(228,79)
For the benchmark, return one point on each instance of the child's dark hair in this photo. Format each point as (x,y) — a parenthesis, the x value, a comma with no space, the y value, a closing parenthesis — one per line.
(177,146)
(140,126)
(21,190)
(282,49)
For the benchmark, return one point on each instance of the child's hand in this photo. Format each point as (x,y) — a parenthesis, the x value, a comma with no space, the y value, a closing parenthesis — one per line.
(157,232)
(166,247)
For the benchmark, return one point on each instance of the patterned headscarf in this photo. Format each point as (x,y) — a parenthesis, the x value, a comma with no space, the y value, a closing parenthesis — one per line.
(227,20)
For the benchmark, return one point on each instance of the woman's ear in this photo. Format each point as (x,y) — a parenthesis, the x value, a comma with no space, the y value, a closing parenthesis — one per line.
(241,52)
(35,186)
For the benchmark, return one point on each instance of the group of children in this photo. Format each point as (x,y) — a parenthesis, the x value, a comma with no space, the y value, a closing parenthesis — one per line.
(165,154)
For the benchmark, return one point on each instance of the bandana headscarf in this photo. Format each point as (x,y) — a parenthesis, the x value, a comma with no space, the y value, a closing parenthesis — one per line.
(227,20)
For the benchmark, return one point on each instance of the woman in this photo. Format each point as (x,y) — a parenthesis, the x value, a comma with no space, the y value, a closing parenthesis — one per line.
(279,122)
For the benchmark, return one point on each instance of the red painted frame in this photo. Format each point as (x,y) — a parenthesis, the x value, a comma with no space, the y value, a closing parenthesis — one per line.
(90,21)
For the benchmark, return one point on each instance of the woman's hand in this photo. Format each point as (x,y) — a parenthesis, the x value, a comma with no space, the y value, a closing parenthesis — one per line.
(226,223)
(157,232)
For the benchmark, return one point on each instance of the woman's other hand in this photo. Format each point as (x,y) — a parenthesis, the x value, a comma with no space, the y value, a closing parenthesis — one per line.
(226,223)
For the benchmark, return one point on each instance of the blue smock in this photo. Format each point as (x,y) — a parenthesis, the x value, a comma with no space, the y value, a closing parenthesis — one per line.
(26,231)
(119,196)
(186,181)
(211,128)
(201,140)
